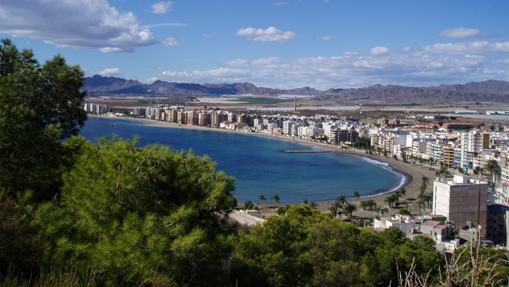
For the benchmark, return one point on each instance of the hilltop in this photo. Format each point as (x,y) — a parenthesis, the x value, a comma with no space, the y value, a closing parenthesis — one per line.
(486,91)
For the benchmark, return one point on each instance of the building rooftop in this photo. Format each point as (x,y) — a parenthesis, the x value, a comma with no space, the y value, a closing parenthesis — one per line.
(459,179)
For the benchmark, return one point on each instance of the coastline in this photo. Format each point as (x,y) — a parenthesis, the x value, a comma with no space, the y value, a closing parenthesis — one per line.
(411,174)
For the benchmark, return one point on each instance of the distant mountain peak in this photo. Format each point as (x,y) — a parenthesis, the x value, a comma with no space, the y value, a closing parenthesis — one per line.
(489,90)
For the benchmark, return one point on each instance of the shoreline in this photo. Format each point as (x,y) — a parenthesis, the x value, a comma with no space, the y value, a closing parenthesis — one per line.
(408,172)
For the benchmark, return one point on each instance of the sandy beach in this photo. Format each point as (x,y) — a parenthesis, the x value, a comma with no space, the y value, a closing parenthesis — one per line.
(413,173)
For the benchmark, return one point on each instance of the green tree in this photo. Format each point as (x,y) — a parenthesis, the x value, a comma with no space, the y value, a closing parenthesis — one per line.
(248,205)
(364,205)
(349,209)
(443,172)
(39,108)
(276,253)
(493,168)
(340,200)
(134,214)
(357,196)
(275,199)
(392,200)
(261,199)
(20,238)
(402,192)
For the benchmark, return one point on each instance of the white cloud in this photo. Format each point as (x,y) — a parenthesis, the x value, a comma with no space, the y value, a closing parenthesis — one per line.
(91,24)
(271,34)
(170,41)
(150,80)
(469,47)
(223,74)
(168,24)
(417,67)
(460,32)
(281,3)
(379,51)
(108,50)
(162,7)
(110,72)
(327,37)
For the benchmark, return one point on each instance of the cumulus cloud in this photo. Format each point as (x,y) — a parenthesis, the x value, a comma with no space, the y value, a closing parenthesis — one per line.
(460,32)
(162,7)
(420,66)
(271,34)
(469,47)
(110,72)
(327,37)
(379,51)
(223,74)
(91,24)
(170,41)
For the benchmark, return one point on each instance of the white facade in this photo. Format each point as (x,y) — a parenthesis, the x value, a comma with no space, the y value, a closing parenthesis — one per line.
(461,199)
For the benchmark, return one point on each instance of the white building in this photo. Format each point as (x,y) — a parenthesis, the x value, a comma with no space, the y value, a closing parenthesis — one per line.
(462,200)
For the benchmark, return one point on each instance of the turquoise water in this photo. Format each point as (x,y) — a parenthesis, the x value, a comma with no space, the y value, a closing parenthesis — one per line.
(259,165)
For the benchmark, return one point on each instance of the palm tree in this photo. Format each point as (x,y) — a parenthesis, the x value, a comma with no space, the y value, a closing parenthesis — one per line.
(364,205)
(341,200)
(424,184)
(357,196)
(334,210)
(389,200)
(349,209)
(275,199)
(371,204)
(393,200)
(424,200)
(261,199)
(248,205)
(494,170)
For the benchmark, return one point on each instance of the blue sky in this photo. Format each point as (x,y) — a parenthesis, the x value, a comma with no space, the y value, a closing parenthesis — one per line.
(292,43)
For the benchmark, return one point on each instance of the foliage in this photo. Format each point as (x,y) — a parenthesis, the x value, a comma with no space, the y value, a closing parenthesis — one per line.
(132,214)
(115,214)
(275,198)
(469,266)
(443,172)
(39,107)
(362,143)
(53,278)
(307,248)
(494,170)
(248,205)
(20,238)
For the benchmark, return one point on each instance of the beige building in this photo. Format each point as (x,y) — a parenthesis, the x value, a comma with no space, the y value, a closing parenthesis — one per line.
(462,200)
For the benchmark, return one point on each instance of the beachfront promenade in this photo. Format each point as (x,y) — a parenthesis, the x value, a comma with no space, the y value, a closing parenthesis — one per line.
(412,172)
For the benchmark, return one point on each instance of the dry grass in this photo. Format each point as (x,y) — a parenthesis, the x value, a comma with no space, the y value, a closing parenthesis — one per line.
(468,268)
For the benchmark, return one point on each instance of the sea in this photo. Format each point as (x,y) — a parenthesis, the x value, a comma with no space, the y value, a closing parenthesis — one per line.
(260,165)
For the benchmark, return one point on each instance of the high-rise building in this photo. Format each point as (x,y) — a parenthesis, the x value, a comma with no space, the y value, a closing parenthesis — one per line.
(203,118)
(192,117)
(498,223)
(472,143)
(231,117)
(215,119)
(349,136)
(172,115)
(462,200)
(139,111)
(181,117)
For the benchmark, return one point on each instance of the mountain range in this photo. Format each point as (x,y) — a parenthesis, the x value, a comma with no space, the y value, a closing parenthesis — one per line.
(486,91)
